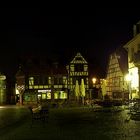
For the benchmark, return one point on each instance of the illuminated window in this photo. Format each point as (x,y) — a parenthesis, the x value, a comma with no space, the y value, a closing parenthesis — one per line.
(56,95)
(48,95)
(30,87)
(31,81)
(72,67)
(36,87)
(63,95)
(40,86)
(85,67)
(44,96)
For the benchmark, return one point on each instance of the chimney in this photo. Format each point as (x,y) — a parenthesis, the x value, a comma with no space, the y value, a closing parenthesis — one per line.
(134,30)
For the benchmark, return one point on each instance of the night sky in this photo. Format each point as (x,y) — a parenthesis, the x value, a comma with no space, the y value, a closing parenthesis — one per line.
(27,31)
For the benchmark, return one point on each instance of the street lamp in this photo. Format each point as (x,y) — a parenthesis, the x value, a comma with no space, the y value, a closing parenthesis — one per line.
(94,81)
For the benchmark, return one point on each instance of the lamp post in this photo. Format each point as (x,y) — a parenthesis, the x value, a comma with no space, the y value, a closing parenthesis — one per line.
(94,85)
(94,81)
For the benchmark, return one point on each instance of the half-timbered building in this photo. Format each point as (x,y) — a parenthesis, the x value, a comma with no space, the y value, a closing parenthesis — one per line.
(117,87)
(51,83)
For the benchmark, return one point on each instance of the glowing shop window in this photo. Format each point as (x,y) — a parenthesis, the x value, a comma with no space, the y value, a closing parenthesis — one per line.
(55,95)
(40,86)
(63,95)
(36,87)
(44,96)
(48,95)
(134,77)
(30,87)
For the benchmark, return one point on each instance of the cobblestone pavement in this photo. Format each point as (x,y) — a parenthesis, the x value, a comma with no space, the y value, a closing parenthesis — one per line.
(70,124)
(10,114)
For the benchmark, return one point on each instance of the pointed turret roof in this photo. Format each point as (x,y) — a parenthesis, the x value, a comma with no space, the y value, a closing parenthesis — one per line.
(78,59)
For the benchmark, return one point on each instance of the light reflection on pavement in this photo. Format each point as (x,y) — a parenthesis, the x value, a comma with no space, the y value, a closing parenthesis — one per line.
(9,114)
(76,124)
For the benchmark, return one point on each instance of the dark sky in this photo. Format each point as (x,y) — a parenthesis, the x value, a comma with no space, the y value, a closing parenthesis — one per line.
(31,31)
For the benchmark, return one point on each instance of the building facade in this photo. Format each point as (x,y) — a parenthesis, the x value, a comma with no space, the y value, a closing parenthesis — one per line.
(77,70)
(133,49)
(116,86)
(50,83)
(3,96)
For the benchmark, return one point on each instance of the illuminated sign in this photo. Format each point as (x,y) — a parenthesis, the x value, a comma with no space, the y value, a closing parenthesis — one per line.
(44,91)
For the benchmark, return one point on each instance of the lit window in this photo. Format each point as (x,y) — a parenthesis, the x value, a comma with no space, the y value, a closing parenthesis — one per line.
(44,96)
(31,81)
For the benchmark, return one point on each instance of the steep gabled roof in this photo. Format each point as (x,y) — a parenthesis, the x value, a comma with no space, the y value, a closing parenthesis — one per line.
(132,41)
(78,59)
(122,57)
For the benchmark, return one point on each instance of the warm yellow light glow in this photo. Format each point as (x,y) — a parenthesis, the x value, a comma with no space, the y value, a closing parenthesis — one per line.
(2,107)
(48,95)
(94,80)
(56,95)
(17,92)
(44,91)
(44,96)
(128,77)
(134,77)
